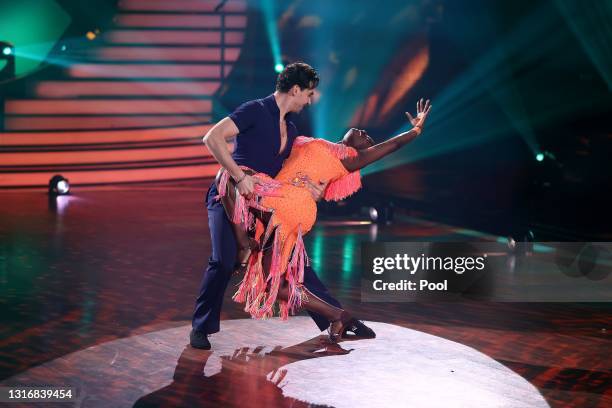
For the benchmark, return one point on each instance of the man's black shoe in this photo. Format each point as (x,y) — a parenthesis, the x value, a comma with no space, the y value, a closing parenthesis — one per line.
(359,330)
(199,340)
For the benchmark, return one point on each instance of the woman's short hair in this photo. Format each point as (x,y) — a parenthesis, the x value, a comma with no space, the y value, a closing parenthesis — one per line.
(297,73)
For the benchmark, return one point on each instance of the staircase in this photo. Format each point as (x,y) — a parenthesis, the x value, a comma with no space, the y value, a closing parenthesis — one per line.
(135,106)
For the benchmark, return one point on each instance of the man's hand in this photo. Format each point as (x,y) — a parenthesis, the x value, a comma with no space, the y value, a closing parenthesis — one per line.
(247,186)
(317,190)
(423,108)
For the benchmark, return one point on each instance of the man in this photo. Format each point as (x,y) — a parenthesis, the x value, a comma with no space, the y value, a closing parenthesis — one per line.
(264,135)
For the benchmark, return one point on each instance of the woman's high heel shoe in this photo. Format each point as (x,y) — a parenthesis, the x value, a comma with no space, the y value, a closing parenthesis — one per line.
(339,319)
(338,327)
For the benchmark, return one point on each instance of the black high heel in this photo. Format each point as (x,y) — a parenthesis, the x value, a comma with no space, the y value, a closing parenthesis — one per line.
(359,329)
(340,321)
(338,327)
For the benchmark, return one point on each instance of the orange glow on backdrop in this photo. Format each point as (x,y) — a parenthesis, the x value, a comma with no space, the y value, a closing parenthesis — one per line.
(406,70)
(406,79)
(363,114)
(368,112)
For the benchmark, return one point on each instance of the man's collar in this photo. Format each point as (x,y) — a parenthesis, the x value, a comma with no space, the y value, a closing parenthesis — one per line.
(271,105)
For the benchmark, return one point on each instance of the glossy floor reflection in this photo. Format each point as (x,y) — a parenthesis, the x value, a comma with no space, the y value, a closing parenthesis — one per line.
(110,264)
(275,363)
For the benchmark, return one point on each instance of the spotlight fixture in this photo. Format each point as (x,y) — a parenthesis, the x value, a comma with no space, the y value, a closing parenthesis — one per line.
(511,243)
(58,185)
(279,68)
(373,212)
(539,157)
(382,213)
(8,55)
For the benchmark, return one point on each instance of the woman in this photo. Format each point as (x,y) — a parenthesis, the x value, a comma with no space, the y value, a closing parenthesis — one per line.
(283,211)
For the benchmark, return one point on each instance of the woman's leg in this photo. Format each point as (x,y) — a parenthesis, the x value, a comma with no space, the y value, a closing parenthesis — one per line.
(245,245)
(339,318)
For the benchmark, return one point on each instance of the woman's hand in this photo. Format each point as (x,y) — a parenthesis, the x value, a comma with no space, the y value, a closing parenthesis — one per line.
(246,186)
(423,109)
(317,190)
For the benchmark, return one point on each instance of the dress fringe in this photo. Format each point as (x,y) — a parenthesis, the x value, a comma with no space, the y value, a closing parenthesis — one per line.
(295,273)
(260,296)
(268,188)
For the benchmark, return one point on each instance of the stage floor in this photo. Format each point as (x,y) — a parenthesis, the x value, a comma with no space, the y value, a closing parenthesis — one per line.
(118,269)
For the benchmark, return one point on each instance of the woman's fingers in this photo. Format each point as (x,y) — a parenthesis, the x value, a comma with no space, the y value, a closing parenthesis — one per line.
(410,118)
(423,108)
(316,190)
(422,105)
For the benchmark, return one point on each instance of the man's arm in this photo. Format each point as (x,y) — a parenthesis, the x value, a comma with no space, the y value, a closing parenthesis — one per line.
(216,142)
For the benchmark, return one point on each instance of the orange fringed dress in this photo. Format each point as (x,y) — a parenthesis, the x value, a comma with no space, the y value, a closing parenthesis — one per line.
(294,214)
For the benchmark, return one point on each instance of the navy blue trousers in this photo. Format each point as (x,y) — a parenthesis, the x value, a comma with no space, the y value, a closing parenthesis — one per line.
(207,312)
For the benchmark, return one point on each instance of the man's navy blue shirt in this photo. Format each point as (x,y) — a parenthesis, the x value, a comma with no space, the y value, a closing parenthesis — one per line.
(257,145)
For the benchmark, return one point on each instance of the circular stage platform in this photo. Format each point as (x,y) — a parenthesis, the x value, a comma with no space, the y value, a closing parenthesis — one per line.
(274,363)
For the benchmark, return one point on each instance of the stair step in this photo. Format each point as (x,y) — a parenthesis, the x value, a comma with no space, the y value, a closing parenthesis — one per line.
(107,107)
(135,110)
(179,21)
(101,136)
(100,122)
(135,71)
(182,5)
(159,54)
(76,88)
(37,158)
(170,37)
(113,176)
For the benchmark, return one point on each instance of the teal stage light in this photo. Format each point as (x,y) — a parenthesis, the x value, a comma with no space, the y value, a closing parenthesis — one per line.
(7,51)
(540,157)
(33,28)
(270,18)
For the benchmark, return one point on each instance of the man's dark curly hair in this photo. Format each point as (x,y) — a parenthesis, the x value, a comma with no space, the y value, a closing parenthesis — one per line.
(297,73)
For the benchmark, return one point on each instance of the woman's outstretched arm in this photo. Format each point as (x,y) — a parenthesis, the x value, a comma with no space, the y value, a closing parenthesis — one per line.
(377,152)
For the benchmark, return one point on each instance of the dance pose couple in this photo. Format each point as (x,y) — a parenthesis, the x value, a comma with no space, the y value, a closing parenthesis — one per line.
(263,202)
